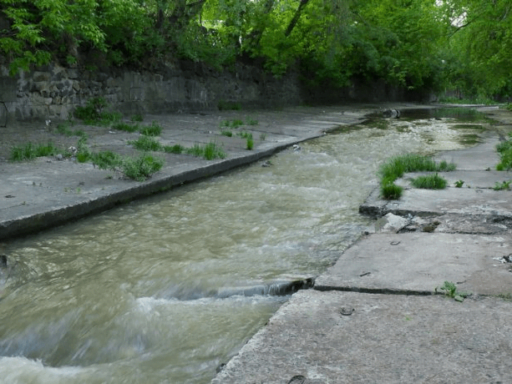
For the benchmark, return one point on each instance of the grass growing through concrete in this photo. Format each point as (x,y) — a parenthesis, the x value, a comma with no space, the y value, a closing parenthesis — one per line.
(209,151)
(450,290)
(142,167)
(459,183)
(176,148)
(226,106)
(249,142)
(153,130)
(122,126)
(146,143)
(504,149)
(502,186)
(430,182)
(395,168)
(30,151)
(226,133)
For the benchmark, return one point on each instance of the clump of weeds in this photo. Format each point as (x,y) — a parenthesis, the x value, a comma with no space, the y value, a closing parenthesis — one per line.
(146,143)
(390,191)
(142,167)
(209,151)
(122,126)
(176,148)
(153,130)
(459,184)
(226,133)
(137,118)
(502,186)
(30,151)
(226,106)
(449,289)
(93,113)
(249,141)
(429,182)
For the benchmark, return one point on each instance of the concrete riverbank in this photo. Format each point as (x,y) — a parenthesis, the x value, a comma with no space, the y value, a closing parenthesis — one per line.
(374,317)
(39,194)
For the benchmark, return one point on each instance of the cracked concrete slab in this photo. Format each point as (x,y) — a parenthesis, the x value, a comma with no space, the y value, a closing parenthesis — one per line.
(347,337)
(417,263)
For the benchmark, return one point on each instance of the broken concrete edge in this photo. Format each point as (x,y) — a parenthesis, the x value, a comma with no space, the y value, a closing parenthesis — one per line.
(387,291)
(60,215)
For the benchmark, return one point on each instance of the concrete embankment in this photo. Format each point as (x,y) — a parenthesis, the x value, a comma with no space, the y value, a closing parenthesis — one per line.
(374,317)
(40,194)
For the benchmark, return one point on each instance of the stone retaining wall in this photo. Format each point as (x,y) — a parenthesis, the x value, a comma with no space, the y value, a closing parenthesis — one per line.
(54,92)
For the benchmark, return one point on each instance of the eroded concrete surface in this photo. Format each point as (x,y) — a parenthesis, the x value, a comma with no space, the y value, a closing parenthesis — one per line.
(378,315)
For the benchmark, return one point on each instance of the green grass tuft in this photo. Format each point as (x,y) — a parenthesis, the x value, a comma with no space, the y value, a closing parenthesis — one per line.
(395,168)
(30,151)
(153,130)
(430,182)
(121,126)
(249,143)
(226,133)
(502,186)
(142,167)
(146,143)
(177,148)
(106,160)
(137,118)
(226,106)
(391,191)
(209,151)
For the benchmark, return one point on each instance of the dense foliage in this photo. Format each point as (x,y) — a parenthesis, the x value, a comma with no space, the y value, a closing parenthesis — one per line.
(432,44)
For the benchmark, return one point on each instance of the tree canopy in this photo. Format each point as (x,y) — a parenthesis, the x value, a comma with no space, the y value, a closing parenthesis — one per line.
(418,44)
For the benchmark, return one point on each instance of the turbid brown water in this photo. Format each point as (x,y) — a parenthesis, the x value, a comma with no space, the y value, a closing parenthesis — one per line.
(166,289)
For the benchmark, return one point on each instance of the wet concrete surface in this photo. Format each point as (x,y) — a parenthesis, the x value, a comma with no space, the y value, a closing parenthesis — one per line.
(380,315)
